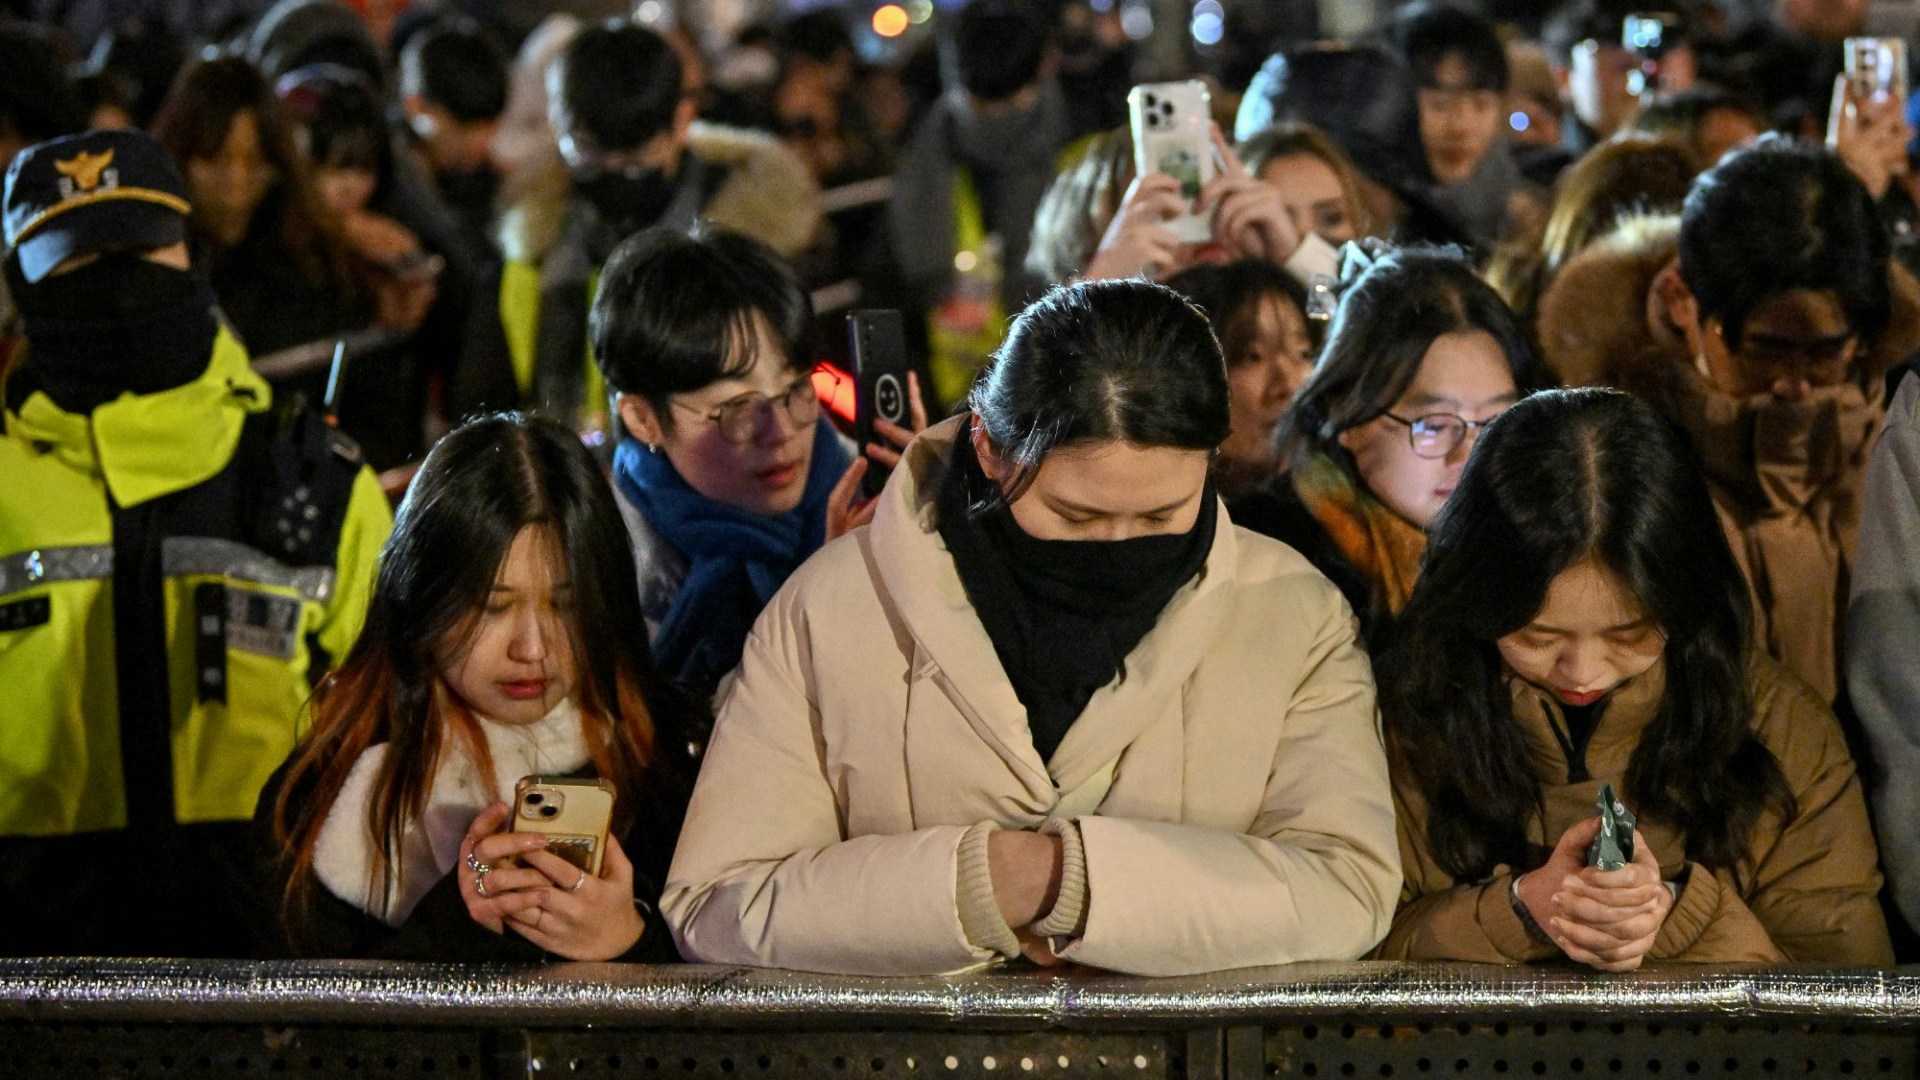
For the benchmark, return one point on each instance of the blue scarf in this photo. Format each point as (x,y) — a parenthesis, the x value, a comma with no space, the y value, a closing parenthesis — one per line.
(737,559)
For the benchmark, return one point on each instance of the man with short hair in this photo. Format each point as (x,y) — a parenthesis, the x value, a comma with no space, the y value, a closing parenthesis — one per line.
(1461,68)
(1597,75)
(624,115)
(179,561)
(453,85)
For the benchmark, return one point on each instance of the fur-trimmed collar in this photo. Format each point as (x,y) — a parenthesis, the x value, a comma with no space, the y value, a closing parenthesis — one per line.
(1599,325)
(344,856)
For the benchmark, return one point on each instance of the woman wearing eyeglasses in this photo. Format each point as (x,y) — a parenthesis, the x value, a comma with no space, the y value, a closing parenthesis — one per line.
(1420,356)
(1761,321)
(728,474)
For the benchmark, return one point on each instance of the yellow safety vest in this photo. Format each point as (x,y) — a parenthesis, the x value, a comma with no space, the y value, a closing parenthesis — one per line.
(60,723)
(520,318)
(970,321)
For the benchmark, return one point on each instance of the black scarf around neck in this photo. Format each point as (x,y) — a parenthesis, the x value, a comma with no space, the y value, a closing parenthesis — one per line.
(1063,615)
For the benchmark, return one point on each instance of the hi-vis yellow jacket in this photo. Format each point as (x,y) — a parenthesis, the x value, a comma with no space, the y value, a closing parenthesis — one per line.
(173,571)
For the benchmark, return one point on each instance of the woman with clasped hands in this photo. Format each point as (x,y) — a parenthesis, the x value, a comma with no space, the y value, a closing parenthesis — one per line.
(1580,622)
(1051,702)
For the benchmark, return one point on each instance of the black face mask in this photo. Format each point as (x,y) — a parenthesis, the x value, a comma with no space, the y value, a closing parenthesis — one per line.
(117,325)
(628,202)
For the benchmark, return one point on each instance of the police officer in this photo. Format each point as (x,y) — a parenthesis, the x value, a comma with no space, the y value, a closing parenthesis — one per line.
(178,561)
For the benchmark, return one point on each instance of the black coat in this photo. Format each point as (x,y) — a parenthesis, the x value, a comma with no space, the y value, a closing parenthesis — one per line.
(439,928)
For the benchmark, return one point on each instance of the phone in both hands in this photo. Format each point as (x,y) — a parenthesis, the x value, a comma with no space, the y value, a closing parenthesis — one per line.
(573,813)
(1877,68)
(1173,134)
(877,344)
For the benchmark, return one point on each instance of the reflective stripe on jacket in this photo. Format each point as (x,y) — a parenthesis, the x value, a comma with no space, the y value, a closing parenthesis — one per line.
(241,629)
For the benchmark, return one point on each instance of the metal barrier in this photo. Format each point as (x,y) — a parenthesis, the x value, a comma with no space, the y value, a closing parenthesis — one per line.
(217,1018)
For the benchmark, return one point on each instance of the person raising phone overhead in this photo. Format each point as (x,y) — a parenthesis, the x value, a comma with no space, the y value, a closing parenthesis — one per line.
(477,669)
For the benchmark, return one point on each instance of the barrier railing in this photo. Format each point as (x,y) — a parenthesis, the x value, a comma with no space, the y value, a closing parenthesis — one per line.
(216,1018)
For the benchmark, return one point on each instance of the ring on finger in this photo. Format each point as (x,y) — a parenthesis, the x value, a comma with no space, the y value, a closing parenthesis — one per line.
(575,887)
(480,879)
(474,864)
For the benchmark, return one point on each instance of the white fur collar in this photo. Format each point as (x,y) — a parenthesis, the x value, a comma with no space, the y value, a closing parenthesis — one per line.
(344,855)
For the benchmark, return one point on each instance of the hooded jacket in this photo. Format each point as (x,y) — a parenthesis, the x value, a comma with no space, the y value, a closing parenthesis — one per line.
(1599,324)
(1809,893)
(1223,804)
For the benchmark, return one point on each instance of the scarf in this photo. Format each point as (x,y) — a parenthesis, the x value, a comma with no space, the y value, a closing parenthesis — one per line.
(736,559)
(1062,614)
(1011,159)
(344,853)
(1479,203)
(122,325)
(1787,475)
(1382,545)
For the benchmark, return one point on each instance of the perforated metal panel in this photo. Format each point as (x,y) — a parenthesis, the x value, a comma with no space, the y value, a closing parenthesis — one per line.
(844,1056)
(113,1050)
(1575,1048)
(150,1050)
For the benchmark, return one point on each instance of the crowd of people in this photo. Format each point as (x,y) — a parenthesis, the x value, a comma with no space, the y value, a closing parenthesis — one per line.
(397,407)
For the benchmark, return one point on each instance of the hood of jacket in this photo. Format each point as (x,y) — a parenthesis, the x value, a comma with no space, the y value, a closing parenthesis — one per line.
(1599,324)
(143,446)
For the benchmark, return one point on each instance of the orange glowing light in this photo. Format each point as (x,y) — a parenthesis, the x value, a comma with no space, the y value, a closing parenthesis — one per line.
(890,20)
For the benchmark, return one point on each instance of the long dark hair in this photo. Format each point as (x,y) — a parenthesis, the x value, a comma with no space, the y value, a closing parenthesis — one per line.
(1563,476)
(1386,322)
(200,110)
(479,487)
(1128,360)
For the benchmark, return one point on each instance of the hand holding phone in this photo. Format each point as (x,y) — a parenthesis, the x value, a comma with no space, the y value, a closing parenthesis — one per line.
(884,389)
(1172,125)
(573,814)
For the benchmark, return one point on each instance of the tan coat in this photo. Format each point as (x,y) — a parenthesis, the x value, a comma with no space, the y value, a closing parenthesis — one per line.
(1248,818)
(1599,326)
(1809,894)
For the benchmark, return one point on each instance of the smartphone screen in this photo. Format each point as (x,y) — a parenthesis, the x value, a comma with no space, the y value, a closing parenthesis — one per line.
(877,343)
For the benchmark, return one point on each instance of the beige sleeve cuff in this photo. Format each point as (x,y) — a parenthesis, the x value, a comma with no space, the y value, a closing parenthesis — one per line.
(1069,915)
(979,912)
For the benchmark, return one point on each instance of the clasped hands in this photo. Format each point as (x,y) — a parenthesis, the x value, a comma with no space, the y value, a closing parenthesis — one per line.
(1606,919)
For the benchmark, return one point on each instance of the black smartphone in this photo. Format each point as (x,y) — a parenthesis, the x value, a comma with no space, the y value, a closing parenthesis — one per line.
(877,342)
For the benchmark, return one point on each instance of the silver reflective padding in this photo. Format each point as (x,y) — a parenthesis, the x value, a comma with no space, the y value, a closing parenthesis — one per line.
(41,566)
(181,556)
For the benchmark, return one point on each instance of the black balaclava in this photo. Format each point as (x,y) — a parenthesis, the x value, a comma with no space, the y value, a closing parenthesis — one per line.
(120,324)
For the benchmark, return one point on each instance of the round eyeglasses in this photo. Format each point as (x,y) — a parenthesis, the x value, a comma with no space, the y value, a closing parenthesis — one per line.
(738,418)
(1436,435)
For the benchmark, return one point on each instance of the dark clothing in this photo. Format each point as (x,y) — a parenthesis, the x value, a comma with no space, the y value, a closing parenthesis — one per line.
(1277,510)
(439,928)
(1063,615)
(273,303)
